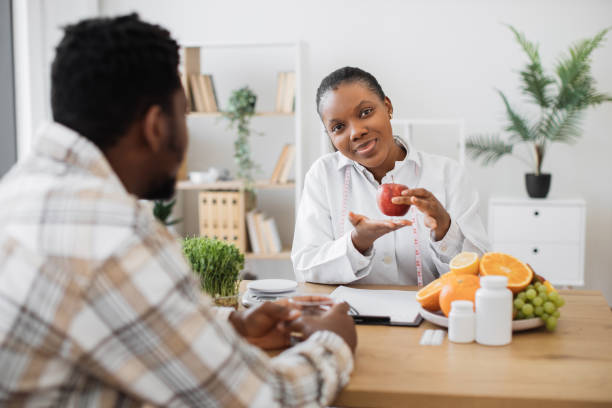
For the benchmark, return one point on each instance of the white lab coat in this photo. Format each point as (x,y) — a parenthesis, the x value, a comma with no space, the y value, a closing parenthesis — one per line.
(323,251)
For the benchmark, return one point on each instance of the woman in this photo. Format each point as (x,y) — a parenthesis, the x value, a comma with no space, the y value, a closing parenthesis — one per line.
(341,236)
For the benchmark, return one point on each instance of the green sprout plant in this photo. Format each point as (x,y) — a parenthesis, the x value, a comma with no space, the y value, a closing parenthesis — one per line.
(218,265)
(561,101)
(162,211)
(241,108)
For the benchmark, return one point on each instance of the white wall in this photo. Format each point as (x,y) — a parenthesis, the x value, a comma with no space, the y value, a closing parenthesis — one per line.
(37,30)
(434,59)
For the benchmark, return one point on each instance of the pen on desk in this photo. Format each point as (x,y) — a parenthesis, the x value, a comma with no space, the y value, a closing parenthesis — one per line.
(371,319)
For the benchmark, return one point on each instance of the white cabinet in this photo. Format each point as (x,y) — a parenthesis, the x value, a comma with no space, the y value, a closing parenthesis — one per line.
(547,234)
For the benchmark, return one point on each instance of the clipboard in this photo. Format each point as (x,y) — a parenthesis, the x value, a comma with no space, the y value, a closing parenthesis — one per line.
(380,307)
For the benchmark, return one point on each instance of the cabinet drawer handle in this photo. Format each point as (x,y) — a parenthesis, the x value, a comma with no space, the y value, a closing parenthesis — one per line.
(535,250)
(536,213)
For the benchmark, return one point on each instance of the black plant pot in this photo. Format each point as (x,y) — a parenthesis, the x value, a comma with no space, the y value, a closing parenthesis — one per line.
(537,185)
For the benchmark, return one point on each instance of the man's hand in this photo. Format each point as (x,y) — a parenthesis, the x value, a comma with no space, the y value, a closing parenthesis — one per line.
(265,326)
(335,320)
(367,231)
(436,217)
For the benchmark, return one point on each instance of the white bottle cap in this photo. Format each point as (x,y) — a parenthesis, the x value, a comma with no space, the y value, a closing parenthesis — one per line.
(494,281)
(462,306)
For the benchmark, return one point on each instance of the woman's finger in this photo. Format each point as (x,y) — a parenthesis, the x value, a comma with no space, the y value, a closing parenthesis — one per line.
(401,200)
(356,218)
(426,206)
(417,192)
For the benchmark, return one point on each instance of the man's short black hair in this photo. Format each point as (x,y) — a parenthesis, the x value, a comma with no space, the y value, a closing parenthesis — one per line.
(348,75)
(108,72)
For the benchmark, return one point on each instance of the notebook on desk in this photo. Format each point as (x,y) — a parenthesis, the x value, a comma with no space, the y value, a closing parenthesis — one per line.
(387,307)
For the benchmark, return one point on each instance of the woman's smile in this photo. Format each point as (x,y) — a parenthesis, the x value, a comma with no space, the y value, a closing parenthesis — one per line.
(367,148)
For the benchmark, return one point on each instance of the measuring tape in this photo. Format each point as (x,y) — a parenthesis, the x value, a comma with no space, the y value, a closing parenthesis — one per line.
(413,219)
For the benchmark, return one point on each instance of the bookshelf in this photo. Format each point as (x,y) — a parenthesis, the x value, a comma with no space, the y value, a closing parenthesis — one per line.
(232,185)
(218,114)
(198,59)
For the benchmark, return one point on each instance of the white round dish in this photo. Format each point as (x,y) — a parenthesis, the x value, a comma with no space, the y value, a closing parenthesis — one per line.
(517,325)
(272,285)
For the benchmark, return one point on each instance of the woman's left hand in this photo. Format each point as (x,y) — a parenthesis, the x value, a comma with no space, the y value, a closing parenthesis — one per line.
(436,217)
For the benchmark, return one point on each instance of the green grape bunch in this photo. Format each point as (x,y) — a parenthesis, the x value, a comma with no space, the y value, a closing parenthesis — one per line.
(537,301)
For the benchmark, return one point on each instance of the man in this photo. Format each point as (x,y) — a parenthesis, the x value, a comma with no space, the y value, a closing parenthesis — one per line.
(97,304)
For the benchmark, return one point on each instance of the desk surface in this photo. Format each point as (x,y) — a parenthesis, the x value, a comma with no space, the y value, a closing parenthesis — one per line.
(569,367)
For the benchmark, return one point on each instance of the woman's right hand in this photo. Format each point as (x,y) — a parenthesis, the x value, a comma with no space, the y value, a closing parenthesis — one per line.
(367,231)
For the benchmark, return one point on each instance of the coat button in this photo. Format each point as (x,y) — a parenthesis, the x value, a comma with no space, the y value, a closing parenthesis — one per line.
(387,259)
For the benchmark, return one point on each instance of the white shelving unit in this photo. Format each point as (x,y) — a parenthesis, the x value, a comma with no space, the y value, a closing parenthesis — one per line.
(265,116)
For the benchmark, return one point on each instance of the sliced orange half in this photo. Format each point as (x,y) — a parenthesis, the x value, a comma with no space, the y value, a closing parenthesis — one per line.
(497,263)
(465,263)
(429,296)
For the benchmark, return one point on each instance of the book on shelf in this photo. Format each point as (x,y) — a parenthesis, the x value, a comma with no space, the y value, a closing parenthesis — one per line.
(252,231)
(273,235)
(196,92)
(185,83)
(211,94)
(285,92)
(283,165)
(263,233)
(284,176)
(259,233)
(202,90)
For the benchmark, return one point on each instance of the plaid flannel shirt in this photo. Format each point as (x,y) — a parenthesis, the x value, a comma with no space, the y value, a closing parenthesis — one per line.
(99,308)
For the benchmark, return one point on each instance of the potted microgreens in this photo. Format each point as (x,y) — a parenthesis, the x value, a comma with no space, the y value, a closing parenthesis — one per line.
(218,265)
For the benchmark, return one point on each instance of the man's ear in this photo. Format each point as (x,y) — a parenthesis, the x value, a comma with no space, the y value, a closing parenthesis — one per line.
(154,128)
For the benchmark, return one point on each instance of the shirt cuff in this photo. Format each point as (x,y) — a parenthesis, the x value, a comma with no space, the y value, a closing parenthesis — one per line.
(223,313)
(336,345)
(451,244)
(358,260)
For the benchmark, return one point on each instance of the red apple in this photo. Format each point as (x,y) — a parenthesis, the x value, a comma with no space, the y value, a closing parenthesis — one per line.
(384,195)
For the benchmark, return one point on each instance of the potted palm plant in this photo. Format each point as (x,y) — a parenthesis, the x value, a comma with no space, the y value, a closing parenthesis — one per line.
(217,264)
(561,100)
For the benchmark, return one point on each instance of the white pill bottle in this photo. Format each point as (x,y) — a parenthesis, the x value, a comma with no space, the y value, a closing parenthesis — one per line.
(493,311)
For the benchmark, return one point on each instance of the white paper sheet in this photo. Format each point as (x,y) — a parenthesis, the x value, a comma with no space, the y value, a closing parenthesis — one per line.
(401,306)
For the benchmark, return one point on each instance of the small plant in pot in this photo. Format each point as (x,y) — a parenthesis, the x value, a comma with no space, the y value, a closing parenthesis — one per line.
(218,265)
(162,211)
(241,107)
(560,100)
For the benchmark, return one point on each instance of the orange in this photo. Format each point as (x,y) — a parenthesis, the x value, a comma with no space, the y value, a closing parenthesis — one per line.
(465,263)
(460,287)
(428,296)
(496,263)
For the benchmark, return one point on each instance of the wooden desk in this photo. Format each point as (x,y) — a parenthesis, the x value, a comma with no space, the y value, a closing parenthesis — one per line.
(569,367)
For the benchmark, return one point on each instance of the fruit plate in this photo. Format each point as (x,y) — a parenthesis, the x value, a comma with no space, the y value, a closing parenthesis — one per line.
(517,325)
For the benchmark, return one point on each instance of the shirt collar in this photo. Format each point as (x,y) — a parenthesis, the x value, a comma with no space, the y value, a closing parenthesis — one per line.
(63,144)
(412,155)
